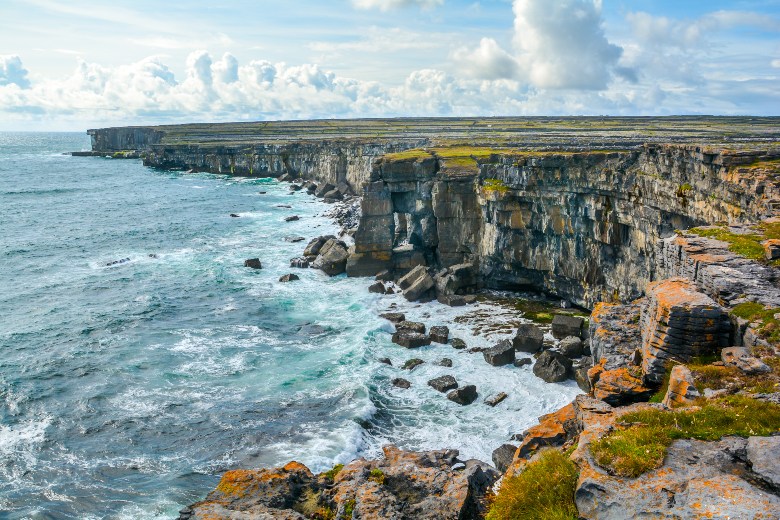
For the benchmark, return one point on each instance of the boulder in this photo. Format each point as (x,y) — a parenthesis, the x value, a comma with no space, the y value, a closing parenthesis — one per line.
(314,246)
(292,218)
(385,361)
(523,362)
(234,215)
(445,362)
(333,195)
(620,387)
(384,276)
(763,456)
(501,354)
(416,283)
(289,278)
(554,429)
(503,455)
(410,339)
(413,363)
(464,395)
(457,343)
(456,300)
(494,400)
(439,334)
(564,325)
(400,382)
(332,258)
(410,326)
(741,358)
(581,369)
(682,389)
(443,383)
(552,367)
(393,317)
(253,263)
(301,262)
(614,333)
(296,187)
(377,288)
(412,276)
(529,338)
(571,347)
(322,189)
(294,239)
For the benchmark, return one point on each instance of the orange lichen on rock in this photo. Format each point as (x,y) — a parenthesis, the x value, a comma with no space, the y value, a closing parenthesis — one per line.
(620,386)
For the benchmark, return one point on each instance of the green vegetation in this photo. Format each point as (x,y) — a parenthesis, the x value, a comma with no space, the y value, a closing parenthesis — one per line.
(658,397)
(495,185)
(640,444)
(331,473)
(684,190)
(408,155)
(310,506)
(377,475)
(748,245)
(769,326)
(349,508)
(543,491)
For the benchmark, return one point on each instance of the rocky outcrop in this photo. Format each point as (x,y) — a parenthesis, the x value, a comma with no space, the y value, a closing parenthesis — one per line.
(432,485)
(682,389)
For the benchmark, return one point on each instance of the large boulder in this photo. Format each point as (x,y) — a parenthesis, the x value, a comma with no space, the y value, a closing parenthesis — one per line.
(501,354)
(439,334)
(253,263)
(410,339)
(528,338)
(614,334)
(464,395)
(571,347)
(552,367)
(564,325)
(620,386)
(741,358)
(503,456)
(443,383)
(682,389)
(416,283)
(314,246)
(410,326)
(332,258)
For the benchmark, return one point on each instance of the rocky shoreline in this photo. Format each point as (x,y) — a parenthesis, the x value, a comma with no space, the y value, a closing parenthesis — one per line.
(674,249)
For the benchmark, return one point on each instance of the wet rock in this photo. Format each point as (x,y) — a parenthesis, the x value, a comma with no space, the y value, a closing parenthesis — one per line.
(464,395)
(439,334)
(763,455)
(294,240)
(233,215)
(443,383)
(413,363)
(552,367)
(564,325)
(416,283)
(529,338)
(410,326)
(741,358)
(501,354)
(332,258)
(385,361)
(503,455)
(523,362)
(455,300)
(393,317)
(571,347)
(296,187)
(289,278)
(409,339)
(400,382)
(300,262)
(384,276)
(682,389)
(253,263)
(377,288)
(445,362)
(494,400)
(121,261)
(314,246)
(457,343)
(456,280)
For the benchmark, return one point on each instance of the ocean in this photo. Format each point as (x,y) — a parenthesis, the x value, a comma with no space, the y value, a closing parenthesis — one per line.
(127,389)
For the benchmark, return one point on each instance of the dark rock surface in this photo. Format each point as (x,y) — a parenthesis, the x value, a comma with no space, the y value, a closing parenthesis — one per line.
(457,343)
(410,339)
(552,367)
(529,338)
(289,278)
(439,334)
(400,382)
(464,395)
(501,354)
(564,325)
(413,363)
(443,383)
(503,455)
(253,263)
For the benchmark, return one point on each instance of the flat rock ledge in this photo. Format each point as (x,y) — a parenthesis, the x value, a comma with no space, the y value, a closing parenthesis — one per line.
(431,485)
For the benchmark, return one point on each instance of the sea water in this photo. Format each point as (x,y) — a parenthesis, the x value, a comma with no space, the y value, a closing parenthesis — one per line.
(127,389)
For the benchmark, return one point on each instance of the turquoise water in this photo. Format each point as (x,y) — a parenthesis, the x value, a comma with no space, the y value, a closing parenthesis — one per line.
(126,390)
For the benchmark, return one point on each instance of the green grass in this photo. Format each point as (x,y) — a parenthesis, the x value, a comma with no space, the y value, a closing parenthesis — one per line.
(408,155)
(641,444)
(331,473)
(377,475)
(769,327)
(543,491)
(748,245)
(495,185)
(349,508)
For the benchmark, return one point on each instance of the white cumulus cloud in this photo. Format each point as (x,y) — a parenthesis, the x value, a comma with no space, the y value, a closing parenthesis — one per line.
(12,72)
(487,61)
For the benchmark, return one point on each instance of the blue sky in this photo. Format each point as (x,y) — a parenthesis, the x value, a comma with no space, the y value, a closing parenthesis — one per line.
(78,63)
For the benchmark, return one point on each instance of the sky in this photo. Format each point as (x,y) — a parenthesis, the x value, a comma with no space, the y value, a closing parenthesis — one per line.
(77,64)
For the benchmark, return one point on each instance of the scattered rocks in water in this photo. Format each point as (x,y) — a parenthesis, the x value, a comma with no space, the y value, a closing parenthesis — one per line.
(416,283)
(439,334)
(496,399)
(332,257)
(285,206)
(254,263)
(456,300)
(571,347)
(503,456)
(385,361)
(393,317)
(384,276)
(295,187)
(117,262)
(476,350)
(413,363)
(443,383)
(464,395)
(501,354)
(552,367)
(741,358)
(153,255)
(411,326)
(315,244)
(410,339)
(234,215)
(294,240)
(523,362)
(293,218)
(445,362)
(289,278)
(377,288)
(564,325)
(301,262)
(400,382)
(262,192)
(529,338)
(457,343)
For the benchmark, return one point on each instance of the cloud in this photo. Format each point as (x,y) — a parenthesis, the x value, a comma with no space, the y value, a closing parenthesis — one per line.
(488,61)
(776,64)
(387,5)
(12,72)
(562,45)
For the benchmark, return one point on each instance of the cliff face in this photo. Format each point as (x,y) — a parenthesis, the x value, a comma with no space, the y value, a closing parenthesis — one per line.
(584,226)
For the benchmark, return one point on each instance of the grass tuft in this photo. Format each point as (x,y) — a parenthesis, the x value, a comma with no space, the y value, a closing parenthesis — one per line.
(769,327)
(543,491)
(331,473)
(495,185)
(641,445)
(377,475)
